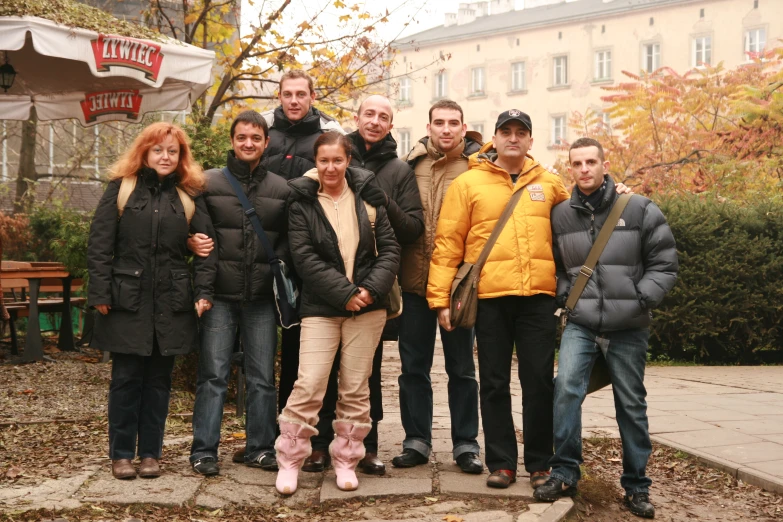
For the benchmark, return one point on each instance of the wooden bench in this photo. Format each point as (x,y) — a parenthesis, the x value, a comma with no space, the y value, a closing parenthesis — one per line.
(23,282)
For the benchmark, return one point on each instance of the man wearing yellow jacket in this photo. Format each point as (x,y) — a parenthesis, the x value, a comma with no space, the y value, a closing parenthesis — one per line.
(516,290)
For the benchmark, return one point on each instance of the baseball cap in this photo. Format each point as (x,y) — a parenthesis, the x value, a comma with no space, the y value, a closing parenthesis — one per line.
(514,114)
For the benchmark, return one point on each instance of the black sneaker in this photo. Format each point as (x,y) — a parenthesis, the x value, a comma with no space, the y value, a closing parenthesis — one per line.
(266,461)
(206,466)
(639,504)
(470,463)
(553,489)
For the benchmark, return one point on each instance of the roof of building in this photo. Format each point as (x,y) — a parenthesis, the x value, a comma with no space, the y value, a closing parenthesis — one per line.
(520,20)
(82,196)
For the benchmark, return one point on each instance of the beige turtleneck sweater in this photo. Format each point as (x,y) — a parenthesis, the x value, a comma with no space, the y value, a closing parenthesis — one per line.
(341,213)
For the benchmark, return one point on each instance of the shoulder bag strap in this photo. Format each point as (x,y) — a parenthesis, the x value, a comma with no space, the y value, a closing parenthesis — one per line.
(501,223)
(598,247)
(250,212)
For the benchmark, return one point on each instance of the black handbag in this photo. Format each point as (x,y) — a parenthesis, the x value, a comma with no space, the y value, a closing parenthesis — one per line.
(286,293)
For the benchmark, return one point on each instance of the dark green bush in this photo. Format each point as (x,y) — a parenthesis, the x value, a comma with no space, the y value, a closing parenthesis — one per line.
(727,305)
(62,236)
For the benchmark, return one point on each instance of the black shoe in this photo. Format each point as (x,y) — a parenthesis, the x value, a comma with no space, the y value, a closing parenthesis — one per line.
(266,461)
(470,463)
(553,489)
(371,465)
(639,504)
(206,466)
(409,458)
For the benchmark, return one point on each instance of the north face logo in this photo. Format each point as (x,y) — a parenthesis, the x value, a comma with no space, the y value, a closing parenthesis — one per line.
(621,222)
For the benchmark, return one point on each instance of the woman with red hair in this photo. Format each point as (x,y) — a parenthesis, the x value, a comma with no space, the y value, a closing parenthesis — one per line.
(140,283)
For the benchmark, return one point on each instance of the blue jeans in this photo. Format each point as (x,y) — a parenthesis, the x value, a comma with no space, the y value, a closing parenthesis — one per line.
(417,347)
(626,357)
(256,322)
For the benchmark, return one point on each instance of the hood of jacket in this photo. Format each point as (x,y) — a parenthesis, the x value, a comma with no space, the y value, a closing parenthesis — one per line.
(241,170)
(379,153)
(470,145)
(306,187)
(310,124)
(610,193)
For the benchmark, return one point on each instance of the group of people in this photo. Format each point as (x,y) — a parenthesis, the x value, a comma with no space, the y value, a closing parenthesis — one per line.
(348,217)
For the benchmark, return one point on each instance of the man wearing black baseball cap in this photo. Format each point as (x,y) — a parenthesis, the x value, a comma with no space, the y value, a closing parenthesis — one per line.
(516,290)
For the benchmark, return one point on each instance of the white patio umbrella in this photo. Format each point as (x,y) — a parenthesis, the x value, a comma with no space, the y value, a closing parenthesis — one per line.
(69,72)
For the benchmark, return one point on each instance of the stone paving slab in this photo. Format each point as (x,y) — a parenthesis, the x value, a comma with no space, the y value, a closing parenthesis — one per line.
(707,438)
(675,423)
(376,487)
(461,483)
(747,453)
(51,494)
(173,490)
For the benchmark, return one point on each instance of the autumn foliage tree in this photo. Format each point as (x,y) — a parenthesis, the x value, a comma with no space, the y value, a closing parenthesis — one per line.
(337,43)
(709,130)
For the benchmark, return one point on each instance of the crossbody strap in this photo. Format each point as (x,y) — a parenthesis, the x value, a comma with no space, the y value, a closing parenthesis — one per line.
(250,212)
(501,223)
(595,252)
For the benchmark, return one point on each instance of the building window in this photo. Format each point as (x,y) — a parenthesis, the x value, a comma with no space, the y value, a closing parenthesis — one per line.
(518,80)
(478,127)
(440,85)
(405,142)
(603,65)
(755,40)
(560,70)
(405,90)
(651,57)
(477,83)
(701,51)
(558,130)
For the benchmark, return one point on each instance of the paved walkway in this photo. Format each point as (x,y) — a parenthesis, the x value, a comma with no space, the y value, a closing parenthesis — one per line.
(729,417)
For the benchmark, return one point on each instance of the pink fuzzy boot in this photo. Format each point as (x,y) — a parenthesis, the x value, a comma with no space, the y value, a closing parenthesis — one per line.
(347,449)
(293,447)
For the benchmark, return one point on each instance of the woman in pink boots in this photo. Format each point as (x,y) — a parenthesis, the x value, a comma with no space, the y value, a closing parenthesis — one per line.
(348,265)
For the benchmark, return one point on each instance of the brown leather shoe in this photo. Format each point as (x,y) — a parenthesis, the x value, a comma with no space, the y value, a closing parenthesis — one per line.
(149,468)
(239,456)
(372,465)
(123,469)
(317,461)
(501,478)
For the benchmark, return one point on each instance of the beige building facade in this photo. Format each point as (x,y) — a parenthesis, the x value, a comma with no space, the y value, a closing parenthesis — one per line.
(553,59)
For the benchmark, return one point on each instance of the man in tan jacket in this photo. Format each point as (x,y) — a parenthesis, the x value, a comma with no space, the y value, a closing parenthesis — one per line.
(437,160)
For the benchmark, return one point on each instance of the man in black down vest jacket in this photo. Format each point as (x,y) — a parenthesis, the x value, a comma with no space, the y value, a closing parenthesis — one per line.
(244,299)
(375,150)
(635,271)
(293,128)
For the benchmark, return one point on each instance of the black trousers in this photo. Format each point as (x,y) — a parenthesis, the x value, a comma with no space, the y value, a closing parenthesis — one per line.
(326,415)
(139,404)
(529,324)
(289,365)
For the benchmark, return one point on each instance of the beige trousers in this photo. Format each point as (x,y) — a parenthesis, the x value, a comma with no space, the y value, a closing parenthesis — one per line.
(321,337)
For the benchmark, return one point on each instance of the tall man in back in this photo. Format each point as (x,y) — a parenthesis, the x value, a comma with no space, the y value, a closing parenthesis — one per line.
(395,189)
(438,159)
(637,267)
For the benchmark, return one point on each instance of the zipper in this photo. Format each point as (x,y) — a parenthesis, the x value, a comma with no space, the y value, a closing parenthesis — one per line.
(592,227)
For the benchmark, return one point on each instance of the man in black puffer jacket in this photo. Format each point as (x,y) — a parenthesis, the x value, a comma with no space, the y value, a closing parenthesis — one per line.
(244,299)
(635,271)
(374,149)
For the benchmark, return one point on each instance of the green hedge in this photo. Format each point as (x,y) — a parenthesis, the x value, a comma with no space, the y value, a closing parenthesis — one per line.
(727,305)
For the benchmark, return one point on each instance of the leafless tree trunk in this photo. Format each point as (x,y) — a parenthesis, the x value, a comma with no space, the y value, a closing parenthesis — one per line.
(26,175)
